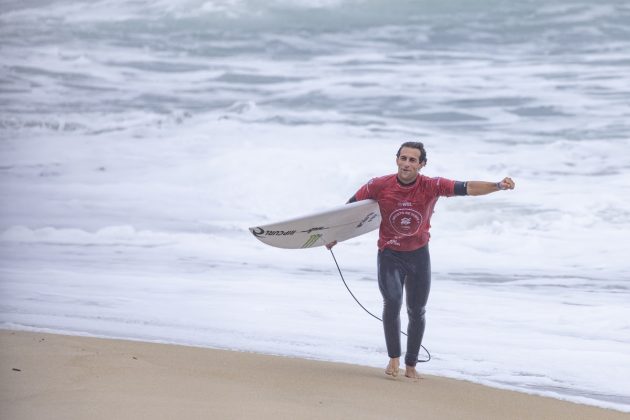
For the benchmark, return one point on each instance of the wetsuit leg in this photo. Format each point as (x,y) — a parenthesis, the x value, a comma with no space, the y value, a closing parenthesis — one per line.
(417,287)
(391,278)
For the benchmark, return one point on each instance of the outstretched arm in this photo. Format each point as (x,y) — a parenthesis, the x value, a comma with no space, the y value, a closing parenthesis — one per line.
(483,188)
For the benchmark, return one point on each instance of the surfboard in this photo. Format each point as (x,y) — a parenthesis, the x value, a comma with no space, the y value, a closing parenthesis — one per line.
(318,229)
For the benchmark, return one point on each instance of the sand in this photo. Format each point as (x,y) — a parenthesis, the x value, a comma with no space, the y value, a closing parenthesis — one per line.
(45,376)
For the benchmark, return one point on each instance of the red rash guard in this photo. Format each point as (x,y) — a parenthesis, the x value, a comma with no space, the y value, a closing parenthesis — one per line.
(405,209)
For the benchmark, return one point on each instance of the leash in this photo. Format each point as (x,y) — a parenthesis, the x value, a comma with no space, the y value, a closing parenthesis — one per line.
(370,313)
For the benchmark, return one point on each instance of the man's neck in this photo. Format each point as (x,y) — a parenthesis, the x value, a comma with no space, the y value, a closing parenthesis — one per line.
(406,184)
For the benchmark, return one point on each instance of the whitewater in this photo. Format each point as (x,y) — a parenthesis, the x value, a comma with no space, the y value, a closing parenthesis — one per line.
(140,139)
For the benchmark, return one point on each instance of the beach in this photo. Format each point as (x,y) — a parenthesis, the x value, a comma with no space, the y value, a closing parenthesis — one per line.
(140,141)
(49,376)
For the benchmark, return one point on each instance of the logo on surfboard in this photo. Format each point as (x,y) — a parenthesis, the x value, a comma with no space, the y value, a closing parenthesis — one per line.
(311,230)
(260,232)
(367,219)
(312,240)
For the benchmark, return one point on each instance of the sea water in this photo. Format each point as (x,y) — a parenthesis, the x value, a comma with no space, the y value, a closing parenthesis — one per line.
(140,139)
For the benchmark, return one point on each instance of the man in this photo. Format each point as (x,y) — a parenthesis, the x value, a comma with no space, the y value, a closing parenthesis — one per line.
(406,201)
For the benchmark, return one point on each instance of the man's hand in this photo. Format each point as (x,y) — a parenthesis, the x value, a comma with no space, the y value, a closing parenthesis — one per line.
(330,245)
(506,184)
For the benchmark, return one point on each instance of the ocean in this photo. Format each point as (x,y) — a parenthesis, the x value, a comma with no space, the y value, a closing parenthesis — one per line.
(140,139)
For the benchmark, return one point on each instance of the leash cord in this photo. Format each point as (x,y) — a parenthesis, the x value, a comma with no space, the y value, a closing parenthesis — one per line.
(370,313)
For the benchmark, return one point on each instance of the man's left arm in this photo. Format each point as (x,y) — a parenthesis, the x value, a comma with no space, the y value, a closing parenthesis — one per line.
(483,187)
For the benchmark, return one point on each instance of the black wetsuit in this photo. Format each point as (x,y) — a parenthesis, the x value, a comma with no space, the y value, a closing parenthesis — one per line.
(410,270)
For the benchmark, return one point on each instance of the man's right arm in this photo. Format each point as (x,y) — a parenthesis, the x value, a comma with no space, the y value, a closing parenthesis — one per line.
(351,200)
(364,190)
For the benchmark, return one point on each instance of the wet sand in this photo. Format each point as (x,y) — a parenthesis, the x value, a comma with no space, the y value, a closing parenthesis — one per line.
(46,376)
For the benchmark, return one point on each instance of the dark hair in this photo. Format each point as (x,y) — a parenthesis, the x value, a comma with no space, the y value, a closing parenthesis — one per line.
(414,145)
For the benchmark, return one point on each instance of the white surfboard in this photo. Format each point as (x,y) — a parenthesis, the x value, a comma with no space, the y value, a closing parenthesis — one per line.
(337,224)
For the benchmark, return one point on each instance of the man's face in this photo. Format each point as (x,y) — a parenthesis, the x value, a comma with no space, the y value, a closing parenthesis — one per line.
(408,164)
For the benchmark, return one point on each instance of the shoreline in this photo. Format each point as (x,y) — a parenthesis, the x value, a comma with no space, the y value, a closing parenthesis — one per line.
(50,376)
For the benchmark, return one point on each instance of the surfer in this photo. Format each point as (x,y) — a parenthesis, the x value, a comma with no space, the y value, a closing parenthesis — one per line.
(406,201)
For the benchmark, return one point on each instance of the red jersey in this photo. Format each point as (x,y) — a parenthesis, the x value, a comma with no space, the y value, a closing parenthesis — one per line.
(405,209)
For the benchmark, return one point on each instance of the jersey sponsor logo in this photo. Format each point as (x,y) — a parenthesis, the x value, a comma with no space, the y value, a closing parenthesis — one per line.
(258,232)
(405,221)
(393,242)
(312,240)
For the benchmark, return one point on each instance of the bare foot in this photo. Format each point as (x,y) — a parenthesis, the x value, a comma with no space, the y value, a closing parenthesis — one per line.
(411,372)
(393,367)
